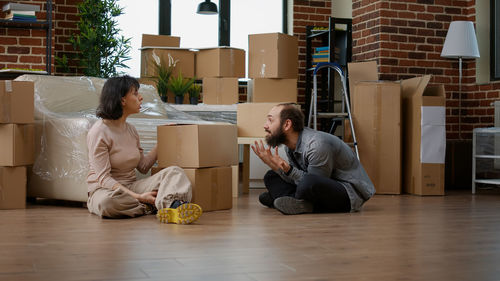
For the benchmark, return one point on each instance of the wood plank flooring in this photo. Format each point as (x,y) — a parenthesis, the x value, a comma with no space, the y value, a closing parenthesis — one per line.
(454,237)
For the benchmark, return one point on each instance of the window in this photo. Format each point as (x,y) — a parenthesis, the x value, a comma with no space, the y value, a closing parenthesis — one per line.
(196,31)
(139,17)
(495,40)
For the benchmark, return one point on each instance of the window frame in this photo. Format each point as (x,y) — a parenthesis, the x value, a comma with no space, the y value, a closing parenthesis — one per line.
(165,19)
(494,40)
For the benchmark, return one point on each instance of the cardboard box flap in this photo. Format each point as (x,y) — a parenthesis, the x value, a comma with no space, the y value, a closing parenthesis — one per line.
(414,86)
(361,71)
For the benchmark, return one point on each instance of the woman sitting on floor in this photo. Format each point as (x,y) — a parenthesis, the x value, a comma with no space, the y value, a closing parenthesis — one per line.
(114,154)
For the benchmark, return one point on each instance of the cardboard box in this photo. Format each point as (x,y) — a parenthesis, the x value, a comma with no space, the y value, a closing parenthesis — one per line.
(424,115)
(212,187)
(377,123)
(235,187)
(272,90)
(12,188)
(17,144)
(220,62)
(197,146)
(220,90)
(272,55)
(251,117)
(361,71)
(16,102)
(149,40)
(184,60)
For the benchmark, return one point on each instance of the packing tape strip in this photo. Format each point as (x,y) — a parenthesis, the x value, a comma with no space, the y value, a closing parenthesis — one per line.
(6,102)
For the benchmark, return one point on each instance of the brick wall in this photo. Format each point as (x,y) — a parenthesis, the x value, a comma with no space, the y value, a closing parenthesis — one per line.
(313,13)
(26,48)
(406,39)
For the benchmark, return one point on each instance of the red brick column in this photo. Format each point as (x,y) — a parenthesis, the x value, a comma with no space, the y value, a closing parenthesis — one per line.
(26,48)
(406,39)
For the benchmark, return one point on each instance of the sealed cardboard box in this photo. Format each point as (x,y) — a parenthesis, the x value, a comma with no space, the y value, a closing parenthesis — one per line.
(220,90)
(16,102)
(197,146)
(272,90)
(424,126)
(17,144)
(212,187)
(149,40)
(272,55)
(377,123)
(183,59)
(12,187)
(220,62)
(234,178)
(250,118)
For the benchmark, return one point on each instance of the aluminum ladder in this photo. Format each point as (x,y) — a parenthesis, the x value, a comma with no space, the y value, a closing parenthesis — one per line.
(313,109)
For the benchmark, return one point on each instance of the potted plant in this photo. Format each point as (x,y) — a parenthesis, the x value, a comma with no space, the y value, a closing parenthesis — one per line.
(194,93)
(179,86)
(163,73)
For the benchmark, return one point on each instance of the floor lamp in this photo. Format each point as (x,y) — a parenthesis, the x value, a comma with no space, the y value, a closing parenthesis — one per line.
(460,43)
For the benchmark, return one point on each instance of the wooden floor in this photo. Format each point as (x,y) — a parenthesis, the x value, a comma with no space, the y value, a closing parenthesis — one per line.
(455,237)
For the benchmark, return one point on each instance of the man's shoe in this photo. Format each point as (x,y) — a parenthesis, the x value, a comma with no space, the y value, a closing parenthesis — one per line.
(266,199)
(292,206)
(184,214)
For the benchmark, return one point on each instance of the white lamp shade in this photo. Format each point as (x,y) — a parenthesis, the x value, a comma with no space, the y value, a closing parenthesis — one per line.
(460,41)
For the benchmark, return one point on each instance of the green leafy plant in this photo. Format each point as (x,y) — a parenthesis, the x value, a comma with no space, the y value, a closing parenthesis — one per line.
(101,50)
(163,72)
(179,85)
(194,90)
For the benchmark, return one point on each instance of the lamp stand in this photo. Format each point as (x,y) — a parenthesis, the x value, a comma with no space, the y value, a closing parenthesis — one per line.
(460,98)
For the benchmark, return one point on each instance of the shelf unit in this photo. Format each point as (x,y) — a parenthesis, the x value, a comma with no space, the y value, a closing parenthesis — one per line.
(39,24)
(486,148)
(338,36)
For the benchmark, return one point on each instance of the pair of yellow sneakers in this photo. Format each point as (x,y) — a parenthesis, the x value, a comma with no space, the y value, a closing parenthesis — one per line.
(184,214)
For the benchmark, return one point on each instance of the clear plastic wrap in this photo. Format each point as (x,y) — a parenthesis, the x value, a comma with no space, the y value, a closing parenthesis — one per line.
(64,112)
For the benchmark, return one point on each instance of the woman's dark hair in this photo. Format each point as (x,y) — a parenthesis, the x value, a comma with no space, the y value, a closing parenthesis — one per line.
(292,111)
(110,102)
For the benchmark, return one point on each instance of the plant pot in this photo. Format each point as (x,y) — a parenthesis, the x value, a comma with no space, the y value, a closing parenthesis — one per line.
(193,100)
(179,99)
(164,98)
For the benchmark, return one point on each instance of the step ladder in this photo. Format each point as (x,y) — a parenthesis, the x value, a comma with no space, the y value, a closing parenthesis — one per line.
(335,116)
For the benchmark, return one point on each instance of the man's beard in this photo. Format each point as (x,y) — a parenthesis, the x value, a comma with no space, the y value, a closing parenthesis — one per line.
(276,139)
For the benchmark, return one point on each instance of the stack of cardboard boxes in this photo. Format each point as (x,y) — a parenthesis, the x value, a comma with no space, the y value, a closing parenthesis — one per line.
(207,153)
(220,69)
(273,69)
(17,141)
(400,129)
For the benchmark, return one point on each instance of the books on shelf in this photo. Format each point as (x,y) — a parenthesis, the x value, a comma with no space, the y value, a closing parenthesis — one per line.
(20,12)
(20,7)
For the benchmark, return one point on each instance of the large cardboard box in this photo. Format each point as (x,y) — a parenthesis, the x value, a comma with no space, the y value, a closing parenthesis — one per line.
(183,58)
(220,62)
(220,90)
(251,117)
(212,187)
(272,90)
(149,40)
(424,114)
(12,187)
(377,123)
(272,55)
(16,102)
(17,144)
(197,146)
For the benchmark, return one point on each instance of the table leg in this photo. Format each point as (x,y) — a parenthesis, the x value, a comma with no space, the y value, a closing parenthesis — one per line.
(246,168)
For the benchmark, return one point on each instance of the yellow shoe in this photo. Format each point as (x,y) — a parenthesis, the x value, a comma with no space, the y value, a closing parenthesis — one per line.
(184,214)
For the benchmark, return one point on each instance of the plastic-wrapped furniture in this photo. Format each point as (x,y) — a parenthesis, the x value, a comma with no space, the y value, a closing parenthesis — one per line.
(64,112)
